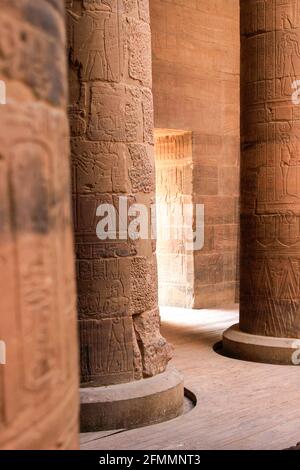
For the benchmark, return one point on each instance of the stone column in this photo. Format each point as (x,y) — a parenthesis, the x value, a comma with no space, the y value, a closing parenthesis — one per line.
(270,185)
(111,115)
(39,382)
(174,192)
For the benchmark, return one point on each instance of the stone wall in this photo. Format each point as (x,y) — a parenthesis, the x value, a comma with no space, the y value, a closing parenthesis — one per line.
(196,88)
(39,382)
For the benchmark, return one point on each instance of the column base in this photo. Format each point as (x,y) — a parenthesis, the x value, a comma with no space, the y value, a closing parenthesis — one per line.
(265,349)
(132,405)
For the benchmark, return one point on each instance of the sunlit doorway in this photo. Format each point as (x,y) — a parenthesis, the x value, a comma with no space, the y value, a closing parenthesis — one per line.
(174,202)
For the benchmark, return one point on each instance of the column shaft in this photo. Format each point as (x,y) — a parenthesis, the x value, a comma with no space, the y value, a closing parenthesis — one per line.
(111,114)
(39,382)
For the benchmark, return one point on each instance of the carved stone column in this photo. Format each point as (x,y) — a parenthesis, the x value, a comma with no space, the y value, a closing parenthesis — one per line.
(111,114)
(39,382)
(174,188)
(270,185)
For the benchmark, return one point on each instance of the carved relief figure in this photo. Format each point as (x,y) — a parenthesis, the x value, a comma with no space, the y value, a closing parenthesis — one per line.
(288,56)
(116,305)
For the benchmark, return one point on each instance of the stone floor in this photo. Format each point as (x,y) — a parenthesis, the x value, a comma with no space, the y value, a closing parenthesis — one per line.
(241,405)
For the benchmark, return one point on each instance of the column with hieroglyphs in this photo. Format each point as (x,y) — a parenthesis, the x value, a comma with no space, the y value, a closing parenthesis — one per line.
(269,328)
(111,116)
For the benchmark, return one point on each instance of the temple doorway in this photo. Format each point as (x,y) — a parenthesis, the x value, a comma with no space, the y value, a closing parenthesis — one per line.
(174,208)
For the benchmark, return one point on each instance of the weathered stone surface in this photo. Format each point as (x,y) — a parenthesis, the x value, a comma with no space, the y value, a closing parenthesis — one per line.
(39,383)
(111,115)
(270,205)
(196,67)
(174,176)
